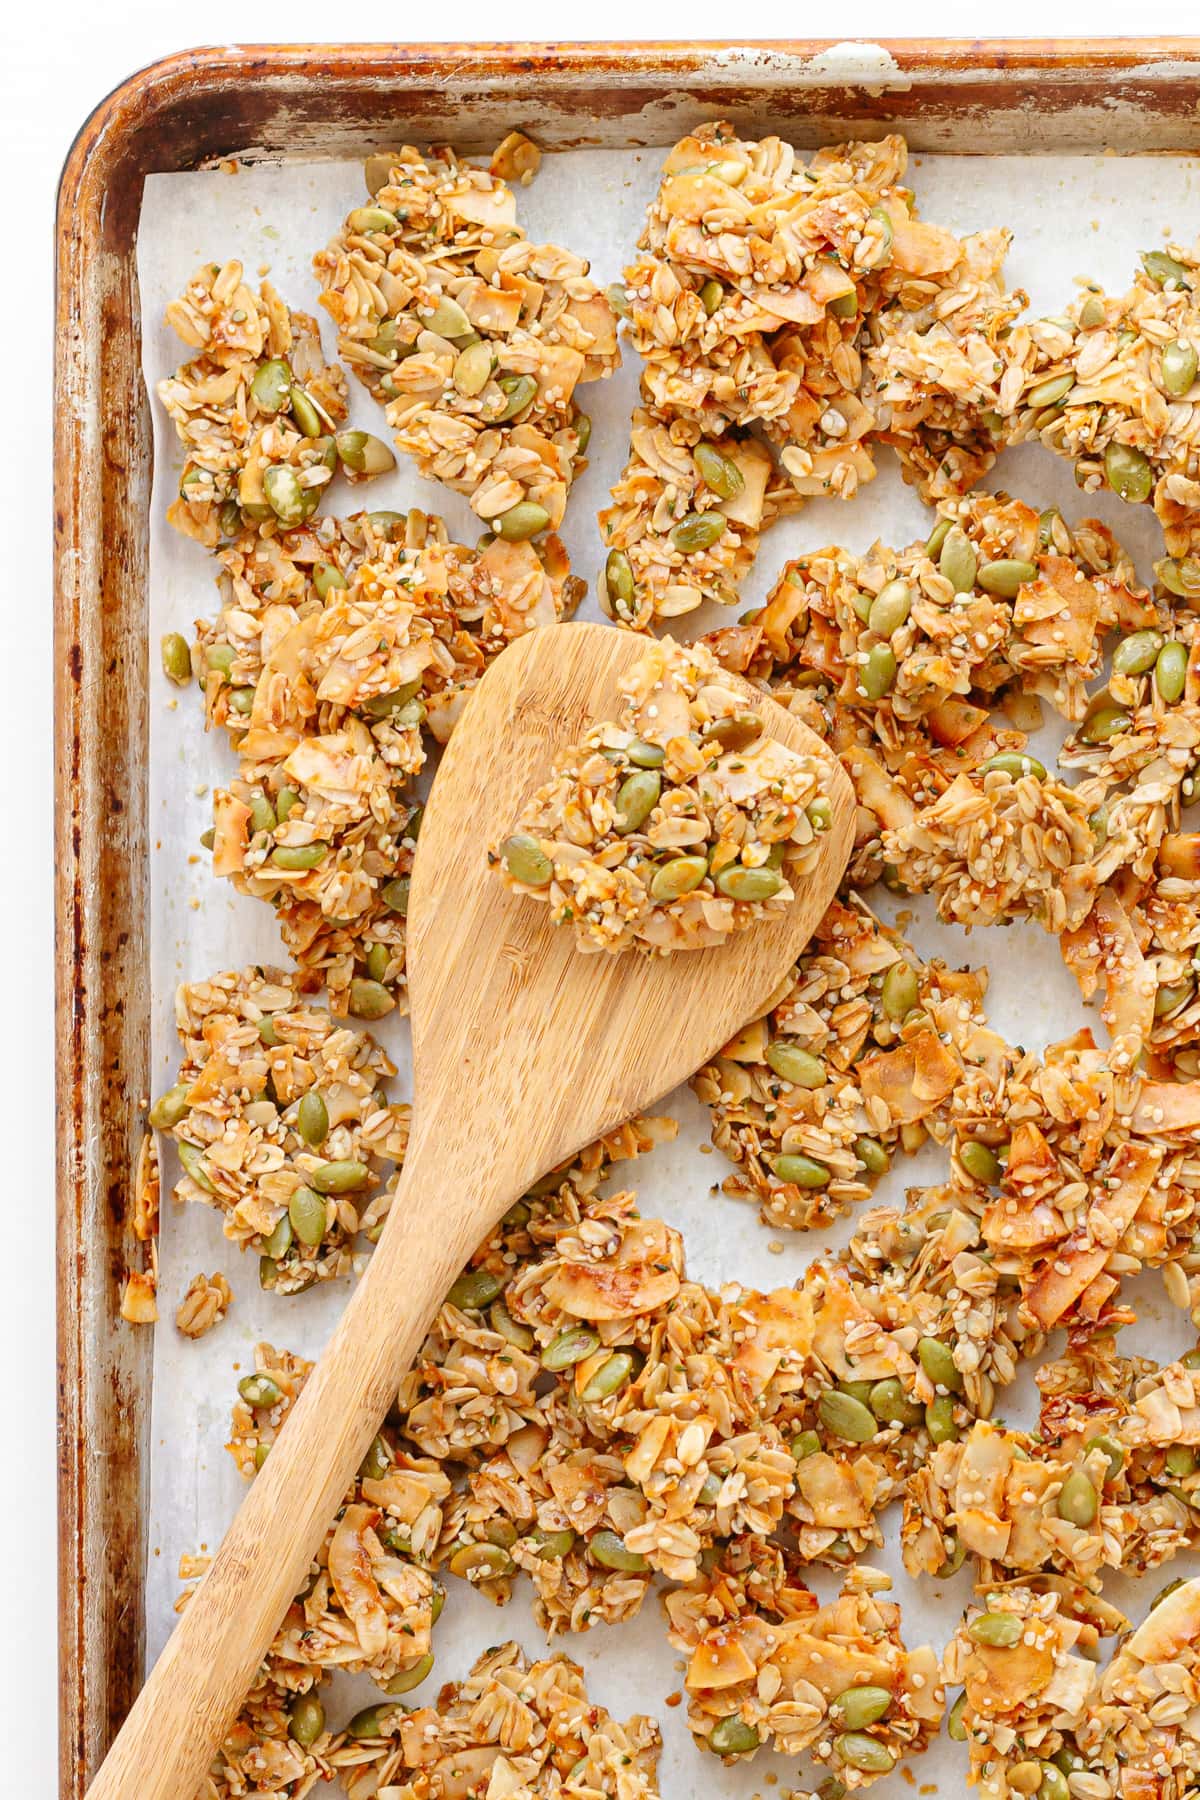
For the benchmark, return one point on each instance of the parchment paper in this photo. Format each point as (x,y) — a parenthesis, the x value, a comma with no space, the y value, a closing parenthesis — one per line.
(1071,216)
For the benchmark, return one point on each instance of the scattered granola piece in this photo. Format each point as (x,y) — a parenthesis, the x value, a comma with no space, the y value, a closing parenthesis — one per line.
(205,1304)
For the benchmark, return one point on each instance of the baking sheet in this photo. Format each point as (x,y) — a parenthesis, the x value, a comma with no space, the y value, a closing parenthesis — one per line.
(1071,216)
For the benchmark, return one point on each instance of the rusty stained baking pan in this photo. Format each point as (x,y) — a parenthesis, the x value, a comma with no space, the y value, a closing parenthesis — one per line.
(310,102)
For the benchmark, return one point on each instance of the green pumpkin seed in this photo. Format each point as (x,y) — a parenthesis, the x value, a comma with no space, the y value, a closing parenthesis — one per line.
(844,306)
(637,797)
(801,1171)
(861,603)
(698,531)
(800,1067)
(956,1555)
(899,993)
(521,522)
(364,453)
(277,1244)
(378,958)
(1128,472)
(1180,576)
(502,1321)
(1178,368)
(1162,268)
(272,385)
(1170,996)
(447,319)
(520,392)
(890,608)
(583,433)
(606,1548)
(306,1720)
(339,1177)
(804,1445)
(1006,576)
(473,369)
(1078,1502)
(711,295)
(410,1678)
(831,1789)
(369,999)
(290,502)
(285,801)
(481,1562)
(1105,723)
(954,1719)
(382,706)
(241,700)
(749,885)
(858,1390)
(872,1155)
(736,732)
(877,675)
(733,1737)
(645,756)
(195,1166)
(980,1163)
(367,219)
(617,298)
(170,1107)
(308,417)
(1181,1460)
(1092,313)
(937,1360)
(1137,652)
(957,560)
(260,1391)
(846,1417)
(176,658)
(858,1707)
(892,1406)
(371,1722)
(306,1211)
(937,537)
(819,814)
(574,1345)
(718,472)
(1053,1785)
(671,880)
(887,235)
(552,1546)
(262,814)
(385,524)
(1112,1450)
(1014,763)
(998,1630)
(609,1378)
(1191,1360)
(376,1463)
(858,1750)
(1170,671)
(312,1118)
(1051,392)
(394,894)
(618,578)
(475,1289)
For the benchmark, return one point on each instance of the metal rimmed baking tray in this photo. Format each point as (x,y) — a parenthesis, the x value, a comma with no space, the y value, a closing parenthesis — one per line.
(307,103)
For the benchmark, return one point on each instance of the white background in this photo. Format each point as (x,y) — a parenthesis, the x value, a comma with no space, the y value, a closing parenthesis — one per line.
(56,64)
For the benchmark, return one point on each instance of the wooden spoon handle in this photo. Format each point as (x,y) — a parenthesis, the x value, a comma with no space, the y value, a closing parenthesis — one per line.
(194,1690)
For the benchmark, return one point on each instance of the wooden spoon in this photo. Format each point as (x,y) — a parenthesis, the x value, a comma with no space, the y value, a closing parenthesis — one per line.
(524,1051)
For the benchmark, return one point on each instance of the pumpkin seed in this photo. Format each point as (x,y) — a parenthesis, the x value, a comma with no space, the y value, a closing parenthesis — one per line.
(481,1562)
(1162,268)
(957,560)
(606,1548)
(195,1166)
(260,1391)
(1137,652)
(1051,392)
(1112,1450)
(271,387)
(364,453)
(176,658)
(718,472)
(617,298)
(791,1063)
(956,1556)
(341,1177)
(887,234)
(552,1546)
(645,756)
(671,880)
(1170,671)
(733,1737)
(370,1722)
(937,1361)
(520,391)
(410,1678)
(378,1460)
(940,1422)
(609,1378)
(1006,576)
(475,1289)
(502,1321)
(846,1417)
(878,673)
(521,522)
(1078,1501)
(998,1630)
(711,295)
(571,1346)
(1181,1460)
(583,433)
(736,732)
(290,503)
(890,608)
(618,578)
(804,1445)
(858,1707)
(1177,368)
(366,219)
(859,1750)
(306,1213)
(892,1406)
(937,537)
(739,883)
(801,1171)
(872,1155)
(954,1719)
(306,1720)
(394,894)
(637,797)
(1014,763)
(1180,576)
(170,1107)
(526,861)
(312,1118)
(1105,723)
(899,993)
(447,319)
(1053,1785)
(819,814)
(1128,472)
(369,999)
(698,531)
(306,415)
(473,369)
(980,1163)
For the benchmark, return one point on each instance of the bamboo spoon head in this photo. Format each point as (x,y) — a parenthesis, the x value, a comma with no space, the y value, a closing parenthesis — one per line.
(517,1034)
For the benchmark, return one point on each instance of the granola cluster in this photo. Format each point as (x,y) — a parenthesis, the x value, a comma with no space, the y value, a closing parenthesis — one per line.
(674,824)
(790,314)
(474,338)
